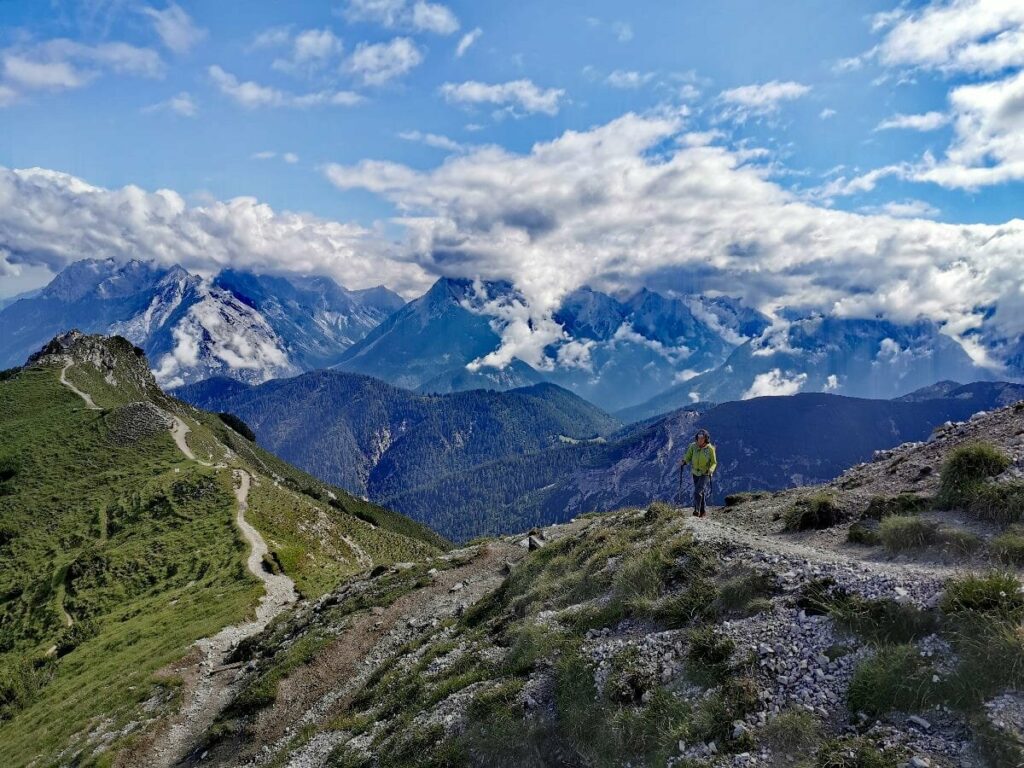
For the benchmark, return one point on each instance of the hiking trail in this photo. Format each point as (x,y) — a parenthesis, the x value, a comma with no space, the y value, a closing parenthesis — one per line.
(89,404)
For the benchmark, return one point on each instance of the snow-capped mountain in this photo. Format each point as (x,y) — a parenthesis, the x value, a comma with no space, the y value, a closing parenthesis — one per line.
(250,327)
(857,357)
(629,349)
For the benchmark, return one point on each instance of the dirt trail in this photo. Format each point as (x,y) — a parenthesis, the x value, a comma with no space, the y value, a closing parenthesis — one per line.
(208,688)
(63,380)
(720,530)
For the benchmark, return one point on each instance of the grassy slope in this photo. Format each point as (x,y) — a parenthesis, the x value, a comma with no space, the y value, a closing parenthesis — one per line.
(172,573)
(140,546)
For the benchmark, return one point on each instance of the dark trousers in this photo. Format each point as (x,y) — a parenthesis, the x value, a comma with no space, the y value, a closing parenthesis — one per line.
(700,489)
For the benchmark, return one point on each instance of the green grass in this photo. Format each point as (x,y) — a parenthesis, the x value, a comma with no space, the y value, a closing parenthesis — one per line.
(792,733)
(1008,546)
(900,532)
(994,594)
(862,533)
(896,678)
(901,504)
(812,513)
(169,570)
(965,472)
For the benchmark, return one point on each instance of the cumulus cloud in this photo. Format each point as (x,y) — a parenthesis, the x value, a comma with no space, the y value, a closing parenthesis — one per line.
(252,95)
(466,42)
(419,16)
(905,209)
(378,63)
(929,121)
(521,95)
(52,219)
(978,38)
(759,100)
(175,28)
(311,50)
(774,383)
(598,207)
(974,36)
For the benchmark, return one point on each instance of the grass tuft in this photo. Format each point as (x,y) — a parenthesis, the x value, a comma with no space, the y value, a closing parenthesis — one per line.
(812,512)
(966,470)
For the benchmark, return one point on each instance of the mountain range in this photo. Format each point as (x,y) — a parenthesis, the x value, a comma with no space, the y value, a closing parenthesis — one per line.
(486,462)
(635,356)
(252,327)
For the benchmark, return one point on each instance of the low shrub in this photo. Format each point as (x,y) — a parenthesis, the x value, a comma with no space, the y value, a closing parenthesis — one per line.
(735,499)
(238,425)
(901,504)
(812,512)
(792,733)
(708,656)
(1008,546)
(959,541)
(894,679)
(966,470)
(901,532)
(864,532)
(994,594)
(1001,503)
(21,679)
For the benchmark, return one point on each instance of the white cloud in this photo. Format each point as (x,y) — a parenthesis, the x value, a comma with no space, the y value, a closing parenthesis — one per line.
(377,63)
(831,383)
(827,113)
(182,104)
(7,95)
(774,383)
(274,37)
(252,95)
(628,79)
(594,207)
(60,64)
(264,155)
(467,41)
(623,31)
(175,28)
(419,16)
(929,121)
(905,209)
(312,50)
(52,219)
(290,157)
(760,99)
(434,17)
(974,36)
(432,140)
(517,94)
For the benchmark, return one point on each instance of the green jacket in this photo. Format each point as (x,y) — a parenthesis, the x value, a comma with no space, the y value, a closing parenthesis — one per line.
(703,460)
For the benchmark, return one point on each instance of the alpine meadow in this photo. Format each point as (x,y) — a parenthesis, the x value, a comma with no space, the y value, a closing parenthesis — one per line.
(415,384)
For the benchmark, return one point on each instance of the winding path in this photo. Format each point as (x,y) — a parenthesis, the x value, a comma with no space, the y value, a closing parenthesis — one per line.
(207,693)
(63,380)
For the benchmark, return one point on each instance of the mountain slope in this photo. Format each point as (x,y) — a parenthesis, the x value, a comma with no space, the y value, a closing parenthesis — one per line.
(118,508)
(859,358)
(375,439)
(646,637)
(764,443)
(252,327)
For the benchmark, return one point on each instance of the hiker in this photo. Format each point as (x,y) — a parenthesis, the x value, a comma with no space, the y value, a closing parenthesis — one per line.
(700,455)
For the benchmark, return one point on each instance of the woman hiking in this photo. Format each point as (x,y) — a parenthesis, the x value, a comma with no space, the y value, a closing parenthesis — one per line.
(700,455)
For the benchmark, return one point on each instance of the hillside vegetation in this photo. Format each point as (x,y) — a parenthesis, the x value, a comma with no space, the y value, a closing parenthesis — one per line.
(117,551)
(647,637)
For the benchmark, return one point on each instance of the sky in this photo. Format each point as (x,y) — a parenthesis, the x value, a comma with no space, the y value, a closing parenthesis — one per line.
(860,158)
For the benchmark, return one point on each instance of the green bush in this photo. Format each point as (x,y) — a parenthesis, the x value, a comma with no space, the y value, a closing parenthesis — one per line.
(792,732)
(812,512)
(1001,503)
(708,656)
(901,504)
(238,425)
(995,594)
(966,470)
(21,679)
(1008,547)
(863,532)
(900,532)
(894,679)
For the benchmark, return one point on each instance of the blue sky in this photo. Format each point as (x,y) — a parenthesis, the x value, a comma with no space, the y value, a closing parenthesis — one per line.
(855,158)
(109,133)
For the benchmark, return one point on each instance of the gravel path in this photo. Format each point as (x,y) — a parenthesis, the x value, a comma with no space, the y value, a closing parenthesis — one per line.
(63,380)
